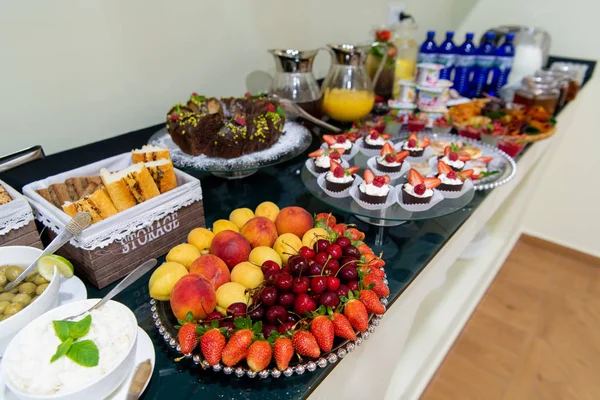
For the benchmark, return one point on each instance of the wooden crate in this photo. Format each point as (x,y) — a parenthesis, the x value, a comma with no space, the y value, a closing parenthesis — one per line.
(24,236)
(106,265)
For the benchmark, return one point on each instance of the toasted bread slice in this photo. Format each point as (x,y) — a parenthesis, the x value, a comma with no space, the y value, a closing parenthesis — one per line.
(129,186)
(61,193)
(4,196)
(45,193)
(163,174)
(150,153)
(98,205)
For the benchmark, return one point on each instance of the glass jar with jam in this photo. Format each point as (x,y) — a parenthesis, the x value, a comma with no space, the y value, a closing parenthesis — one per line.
(562,82)
(572,75)
(538,91)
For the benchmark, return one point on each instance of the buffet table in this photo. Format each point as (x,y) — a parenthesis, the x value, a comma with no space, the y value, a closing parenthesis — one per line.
(428,306)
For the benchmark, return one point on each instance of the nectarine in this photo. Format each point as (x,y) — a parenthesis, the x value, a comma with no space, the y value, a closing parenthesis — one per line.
(294,220)
(192,293)
(231,247)
(260,231)
(212,268)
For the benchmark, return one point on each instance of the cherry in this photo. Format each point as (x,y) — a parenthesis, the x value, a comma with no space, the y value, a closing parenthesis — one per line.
(304,304)
(341,139)
(214,315)
(257,313)
(269,296)
(343,242)
(321,257)
(452,175)
(342,291)
(276,314)
(333,283)
(334,251)
(286,326)
(348,273)
(339,172)
(268,329)
(271,275)
(321,245)
(318,284)
(292,318)
(284,282)
(353,285)
(453,156)
(329,299)
(228,325)
(412,143)
(270,265)
(287,300)
(315,269)
(307,252)
(349,262)
(297,265)
(420,189)
(332,266)
(351,251)
(285,269)
(314,296)
(300,285)
(237,310)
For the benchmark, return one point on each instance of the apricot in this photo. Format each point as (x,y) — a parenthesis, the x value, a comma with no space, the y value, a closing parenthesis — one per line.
(184,254)
(247,275)
(192,293)
(200,238)
(312,235)
(260,254)
(294,220)
(231,247)
(224,225)
(260,231)
(267,209)
(212,268)
(240,216)
(287,245)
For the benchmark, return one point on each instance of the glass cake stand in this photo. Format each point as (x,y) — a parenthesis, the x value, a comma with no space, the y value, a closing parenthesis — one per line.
(295,140)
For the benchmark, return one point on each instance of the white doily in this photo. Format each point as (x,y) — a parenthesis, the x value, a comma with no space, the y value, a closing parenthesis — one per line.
(123,224)
(14,214)
(295,138)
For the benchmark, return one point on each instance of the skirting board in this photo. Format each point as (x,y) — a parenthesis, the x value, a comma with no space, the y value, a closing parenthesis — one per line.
(567,251)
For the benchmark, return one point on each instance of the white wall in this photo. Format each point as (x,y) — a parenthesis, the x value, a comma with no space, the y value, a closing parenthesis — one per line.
(75,72)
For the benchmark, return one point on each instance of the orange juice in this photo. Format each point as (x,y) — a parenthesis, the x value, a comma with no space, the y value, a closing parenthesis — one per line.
(347,105)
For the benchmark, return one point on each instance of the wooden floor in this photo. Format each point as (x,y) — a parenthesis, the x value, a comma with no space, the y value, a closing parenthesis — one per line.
(535,335)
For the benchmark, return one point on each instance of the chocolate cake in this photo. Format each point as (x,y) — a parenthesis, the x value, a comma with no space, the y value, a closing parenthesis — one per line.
(227,128)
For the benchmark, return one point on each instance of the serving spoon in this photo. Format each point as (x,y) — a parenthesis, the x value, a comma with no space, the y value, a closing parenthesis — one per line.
(297,110)
(78,223)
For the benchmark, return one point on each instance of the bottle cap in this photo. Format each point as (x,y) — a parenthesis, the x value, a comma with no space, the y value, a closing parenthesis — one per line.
(430,34)
(470,35)
(510,36)
(449,34)
(490,35)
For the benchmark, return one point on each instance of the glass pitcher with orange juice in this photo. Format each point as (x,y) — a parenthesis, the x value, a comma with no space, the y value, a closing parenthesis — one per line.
(348,92)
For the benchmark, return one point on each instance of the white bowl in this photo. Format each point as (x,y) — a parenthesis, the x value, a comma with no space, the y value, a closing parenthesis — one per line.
(22,256)
(99,388)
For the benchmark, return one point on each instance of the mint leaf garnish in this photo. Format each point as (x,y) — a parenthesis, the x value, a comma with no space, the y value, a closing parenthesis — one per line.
(62,349)
(62,329)
(81,328)
(84,353)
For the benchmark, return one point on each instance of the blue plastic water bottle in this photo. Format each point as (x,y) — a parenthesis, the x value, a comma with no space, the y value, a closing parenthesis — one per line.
(447,56)
(465,61)
(428,50)
(484,63)
(503,64)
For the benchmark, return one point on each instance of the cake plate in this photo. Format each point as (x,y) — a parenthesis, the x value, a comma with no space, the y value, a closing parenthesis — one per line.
(295,140)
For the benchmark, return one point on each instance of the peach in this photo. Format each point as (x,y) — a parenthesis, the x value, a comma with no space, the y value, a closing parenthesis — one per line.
(294,220)
(267,209)
(231,247)
(193,293)
(260,231)
(212,268)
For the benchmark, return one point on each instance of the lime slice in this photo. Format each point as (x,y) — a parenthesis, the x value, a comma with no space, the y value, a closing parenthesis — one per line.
(46,264)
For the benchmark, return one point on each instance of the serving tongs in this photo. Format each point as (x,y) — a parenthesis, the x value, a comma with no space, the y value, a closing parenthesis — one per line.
(78,223)
(21,157)
(296,110)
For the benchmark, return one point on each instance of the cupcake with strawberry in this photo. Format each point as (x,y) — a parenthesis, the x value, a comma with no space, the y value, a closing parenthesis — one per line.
(374,189)
(339,178)
(418,190)
(375,140)
(414,146)
(453,159)
(338,142)
(451,181)
(389,160)
(321,158)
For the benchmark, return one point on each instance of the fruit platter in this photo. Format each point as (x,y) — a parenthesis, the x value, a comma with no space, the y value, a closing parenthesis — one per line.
(269,292)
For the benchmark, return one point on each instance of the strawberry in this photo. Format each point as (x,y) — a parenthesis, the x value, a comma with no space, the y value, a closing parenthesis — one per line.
(364,248)
(329,139)
(322,329)
(485,159)
(369,176)
(373,261)
(317,153)
(466,174)
(356,312)
(371,301)
(271,108)
(235,350)
(259,355)
(354,234)
(432,183)
(425,142)
(376,284)
(387,149)
(323,220)
(342,327)
(443,168)
(402,155)
(376,272)
(414,177)
(374,134)
(413,136)
(353,170)
(283,351)
(340,139)
(464,157)
(386,136)
(212,343)
(333,165)
(240,120)
(447,151)
(337,151)
(340,229)
(188,338)
(305,344)
(352,136)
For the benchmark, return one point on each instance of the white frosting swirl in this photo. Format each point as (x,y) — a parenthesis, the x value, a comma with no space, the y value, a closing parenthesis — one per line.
(408,188)
(323,161)
(450,181)
(405,146)
(380,141)
(346,145)
(456,164)
(373,190)
(344,179)
(383,161)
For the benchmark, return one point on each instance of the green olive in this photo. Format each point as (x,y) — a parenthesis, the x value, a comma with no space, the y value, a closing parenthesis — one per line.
(27,288)
(31,277)
(14,291)
(3,305)
(6,296)
(12,273)
(13,308)
(40,289)
(3,268)
(22,298)
(3,279)
(39,280)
